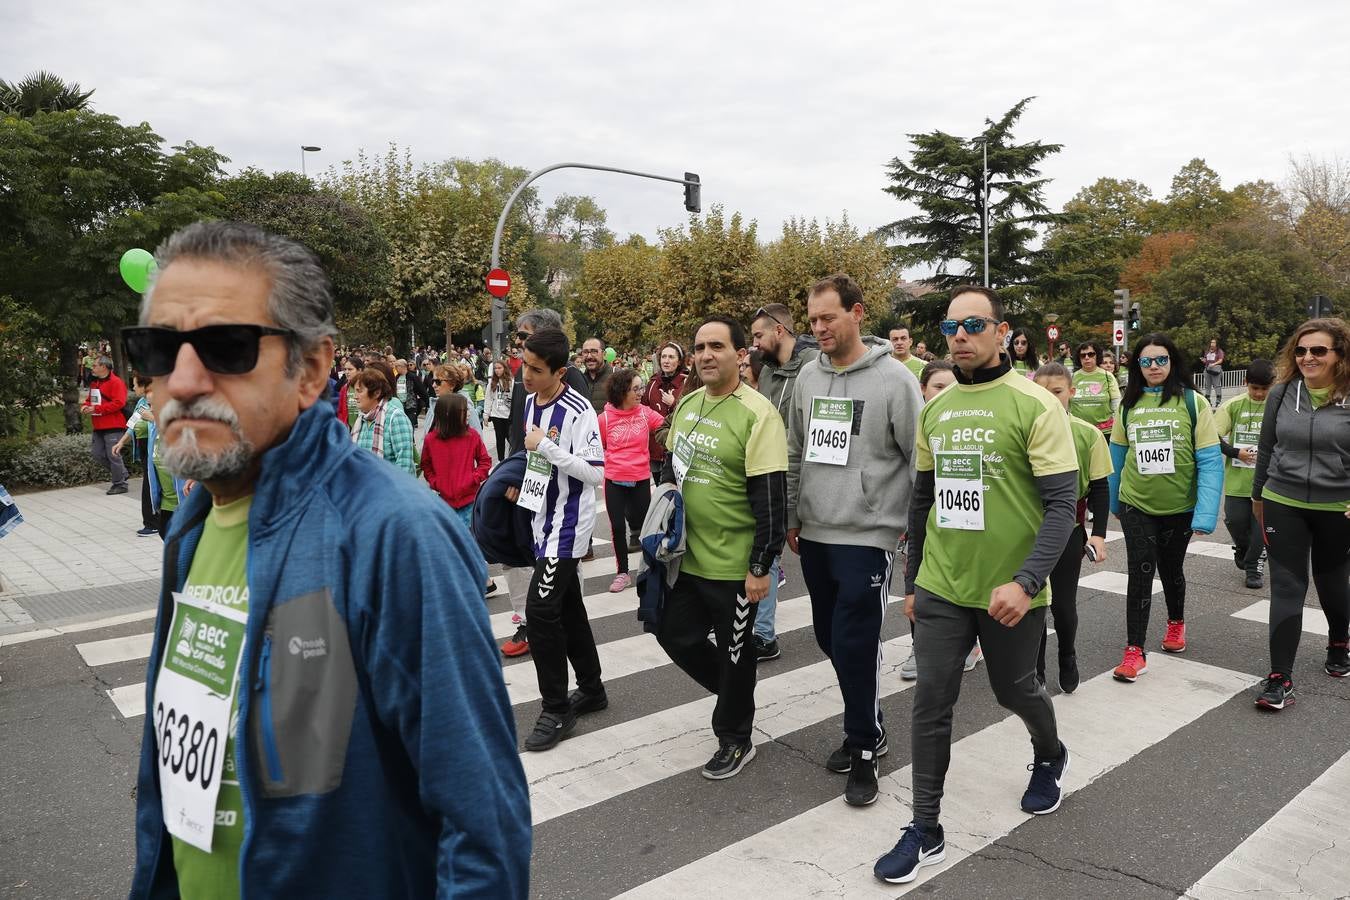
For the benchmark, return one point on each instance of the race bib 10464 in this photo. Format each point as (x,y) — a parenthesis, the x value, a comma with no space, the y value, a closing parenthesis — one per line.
(538,473)
(959,482)
(828,432)
(192,698)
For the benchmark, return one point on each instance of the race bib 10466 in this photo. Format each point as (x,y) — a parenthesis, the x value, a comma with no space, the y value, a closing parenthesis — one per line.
(828,432)
(1153,451)
(196,685)
(538,473)
(959,482)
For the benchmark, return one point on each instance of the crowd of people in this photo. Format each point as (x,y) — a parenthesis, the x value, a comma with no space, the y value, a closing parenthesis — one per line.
(324,526)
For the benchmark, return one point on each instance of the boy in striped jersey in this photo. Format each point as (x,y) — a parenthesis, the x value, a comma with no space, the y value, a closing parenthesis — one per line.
(566,464)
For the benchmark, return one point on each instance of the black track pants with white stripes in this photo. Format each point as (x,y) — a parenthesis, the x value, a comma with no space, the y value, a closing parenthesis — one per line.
(694,606)
(849,588)
(560,632)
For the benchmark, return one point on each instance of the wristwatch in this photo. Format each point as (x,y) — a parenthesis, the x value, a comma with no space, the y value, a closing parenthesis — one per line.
(759,570)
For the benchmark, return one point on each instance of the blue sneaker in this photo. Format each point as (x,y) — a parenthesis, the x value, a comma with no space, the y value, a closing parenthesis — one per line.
(1045,791)
(919,846)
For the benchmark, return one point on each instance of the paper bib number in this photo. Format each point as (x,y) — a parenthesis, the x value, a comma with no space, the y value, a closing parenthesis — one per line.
(193,693)
(1153,450)
(682,458)
(1246,439)
(829,431)
(538,473)
(95,396)
(959,482)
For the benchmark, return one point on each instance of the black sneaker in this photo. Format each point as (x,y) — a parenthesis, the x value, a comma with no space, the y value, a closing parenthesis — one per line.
(490,589)
(918,846)
(862,780)
(1237,557)
(634,545)
(728,760)
(583,702)
(1277,692)
(1338,659)
(766,650)
(117,489)
(147,531)
(1255,581)
(841,760)
(1045,790)
(1068,674)
(549,729)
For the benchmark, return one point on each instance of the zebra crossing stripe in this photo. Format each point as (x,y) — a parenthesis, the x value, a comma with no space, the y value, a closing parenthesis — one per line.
(129,699)
(1274,860)
(585,770)
(1314,621)
(830,850)
(598,606)
(116,650)
(640,653)
(1114,582)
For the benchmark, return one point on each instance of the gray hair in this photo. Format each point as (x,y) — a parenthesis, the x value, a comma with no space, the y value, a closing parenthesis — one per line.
(301,298)
(539,319)
(104,360)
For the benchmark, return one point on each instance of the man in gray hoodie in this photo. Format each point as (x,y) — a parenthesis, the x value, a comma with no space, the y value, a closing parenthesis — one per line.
(785,353)
(851,431)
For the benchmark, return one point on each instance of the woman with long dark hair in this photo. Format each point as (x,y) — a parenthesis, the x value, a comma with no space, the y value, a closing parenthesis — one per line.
(1022,351)
(1301,497)
(1166,484)
(499,404)
(663,392)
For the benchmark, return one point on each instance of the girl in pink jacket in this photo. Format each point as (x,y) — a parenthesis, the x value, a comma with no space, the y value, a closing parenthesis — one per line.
(625,428)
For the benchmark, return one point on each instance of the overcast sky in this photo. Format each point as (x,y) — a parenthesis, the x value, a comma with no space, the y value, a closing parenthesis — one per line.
(784,108)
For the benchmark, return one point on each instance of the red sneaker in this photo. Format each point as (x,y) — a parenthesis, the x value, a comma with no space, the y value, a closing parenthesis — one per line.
(519,644)
(1132,665)
(1175,639)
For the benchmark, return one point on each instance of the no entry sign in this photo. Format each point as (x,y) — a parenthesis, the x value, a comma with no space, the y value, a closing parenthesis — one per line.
(1052,332)
(498,283)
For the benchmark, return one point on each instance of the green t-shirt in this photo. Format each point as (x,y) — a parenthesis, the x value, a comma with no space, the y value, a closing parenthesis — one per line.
(735,436)
(1168,425)
(1324,506)
(168,500)
(1021,433)
(1020,365)
(915,365)
(1089,446)
(1238,421)
(218,573)
(1095,396)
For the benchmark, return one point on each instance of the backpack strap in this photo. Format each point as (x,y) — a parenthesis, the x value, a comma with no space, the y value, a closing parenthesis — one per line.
(1190,408)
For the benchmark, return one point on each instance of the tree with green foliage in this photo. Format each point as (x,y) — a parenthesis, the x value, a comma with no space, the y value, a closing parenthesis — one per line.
(944,179)
(1197,200)
(805,252)
(708,269)
(80,189)
(30,367)
(617,291)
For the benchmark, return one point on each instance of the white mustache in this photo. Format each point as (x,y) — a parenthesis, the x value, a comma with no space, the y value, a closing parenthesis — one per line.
(198,408)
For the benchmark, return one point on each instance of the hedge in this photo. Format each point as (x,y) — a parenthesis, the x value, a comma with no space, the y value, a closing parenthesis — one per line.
(54,461)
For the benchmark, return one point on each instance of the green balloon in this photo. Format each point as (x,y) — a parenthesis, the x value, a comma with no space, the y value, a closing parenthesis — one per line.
(136,266)
(610,355)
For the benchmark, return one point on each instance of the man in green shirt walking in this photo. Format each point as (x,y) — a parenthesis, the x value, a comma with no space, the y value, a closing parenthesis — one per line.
(900,350)
(1238,421)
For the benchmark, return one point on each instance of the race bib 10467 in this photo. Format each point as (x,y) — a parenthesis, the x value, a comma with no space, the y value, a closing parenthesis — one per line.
(196,685)
(538,473)
(1153,451)
(828,432)
(959,482)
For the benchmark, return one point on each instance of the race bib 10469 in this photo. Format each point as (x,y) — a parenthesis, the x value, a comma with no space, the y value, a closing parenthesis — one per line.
(959,482)
(828,432)
(196,685)
(538,473)
(1153,451)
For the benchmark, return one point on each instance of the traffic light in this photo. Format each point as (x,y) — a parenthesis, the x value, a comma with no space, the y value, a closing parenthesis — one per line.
(693,192)
(1133,323)
(1319,306)
(1122,301)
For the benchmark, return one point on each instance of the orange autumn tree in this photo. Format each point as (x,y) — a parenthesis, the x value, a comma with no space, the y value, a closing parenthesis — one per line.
(1155,255)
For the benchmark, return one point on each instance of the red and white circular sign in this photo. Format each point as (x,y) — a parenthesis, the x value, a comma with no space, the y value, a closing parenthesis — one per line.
(1052,332)
(498,283)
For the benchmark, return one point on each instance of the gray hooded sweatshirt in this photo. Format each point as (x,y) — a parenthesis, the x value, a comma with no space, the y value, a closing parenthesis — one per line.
(864,502)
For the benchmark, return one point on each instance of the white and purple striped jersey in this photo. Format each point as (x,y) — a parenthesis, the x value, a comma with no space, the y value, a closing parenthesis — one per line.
(563,525)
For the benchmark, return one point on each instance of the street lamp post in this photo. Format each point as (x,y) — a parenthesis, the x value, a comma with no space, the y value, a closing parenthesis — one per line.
(306,148)
(983,141)
(692,202)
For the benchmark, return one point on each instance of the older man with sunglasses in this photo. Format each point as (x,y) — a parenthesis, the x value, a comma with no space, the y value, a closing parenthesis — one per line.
(319,722)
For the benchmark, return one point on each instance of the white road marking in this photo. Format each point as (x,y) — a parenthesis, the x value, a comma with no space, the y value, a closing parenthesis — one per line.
(1314,620)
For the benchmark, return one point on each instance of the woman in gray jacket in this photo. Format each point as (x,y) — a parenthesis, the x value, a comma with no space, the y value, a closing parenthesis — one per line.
(1301,497)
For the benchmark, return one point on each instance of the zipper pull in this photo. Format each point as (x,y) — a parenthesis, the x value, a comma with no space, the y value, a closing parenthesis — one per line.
(263,659)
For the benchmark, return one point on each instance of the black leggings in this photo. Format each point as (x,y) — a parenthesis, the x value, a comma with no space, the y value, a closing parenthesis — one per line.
(1153,542)
(500,429)
(1064,600)
(1295,537)
(626,504)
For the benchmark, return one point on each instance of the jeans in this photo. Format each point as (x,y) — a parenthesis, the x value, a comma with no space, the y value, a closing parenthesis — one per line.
(1214,384)
(768,607)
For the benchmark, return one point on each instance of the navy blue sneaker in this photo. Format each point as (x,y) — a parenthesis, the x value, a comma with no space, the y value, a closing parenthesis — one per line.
(1045,790)
(918,846)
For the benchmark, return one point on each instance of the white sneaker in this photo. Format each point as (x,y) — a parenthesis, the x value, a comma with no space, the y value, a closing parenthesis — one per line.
(973,657)
(909,669)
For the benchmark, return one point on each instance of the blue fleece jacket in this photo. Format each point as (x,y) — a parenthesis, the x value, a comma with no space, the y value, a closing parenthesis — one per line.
(425,795)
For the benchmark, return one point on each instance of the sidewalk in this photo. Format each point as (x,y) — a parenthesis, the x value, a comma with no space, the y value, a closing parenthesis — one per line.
(77,553)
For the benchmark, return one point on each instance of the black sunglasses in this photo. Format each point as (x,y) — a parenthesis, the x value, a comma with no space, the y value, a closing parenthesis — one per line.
(763,313)
(223,349)
(1318,352)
